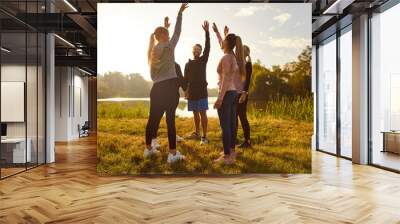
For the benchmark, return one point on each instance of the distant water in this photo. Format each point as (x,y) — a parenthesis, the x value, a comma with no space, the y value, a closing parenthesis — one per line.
(181,111)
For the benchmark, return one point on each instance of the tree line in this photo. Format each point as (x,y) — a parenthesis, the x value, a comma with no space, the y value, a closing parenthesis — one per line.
(118,84)
(288,81)
(280,81)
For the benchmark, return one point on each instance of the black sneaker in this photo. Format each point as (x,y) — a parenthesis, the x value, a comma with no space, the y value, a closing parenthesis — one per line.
(245,144)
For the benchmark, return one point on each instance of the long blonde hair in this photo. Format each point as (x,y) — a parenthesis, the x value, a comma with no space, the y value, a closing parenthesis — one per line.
(240,57)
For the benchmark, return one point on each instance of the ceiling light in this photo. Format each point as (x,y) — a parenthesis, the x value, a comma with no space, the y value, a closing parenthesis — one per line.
(5,50)
(70,5)
(65,41)
(338,6)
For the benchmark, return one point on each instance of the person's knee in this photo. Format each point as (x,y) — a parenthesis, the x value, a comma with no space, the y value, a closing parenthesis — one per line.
(203,114)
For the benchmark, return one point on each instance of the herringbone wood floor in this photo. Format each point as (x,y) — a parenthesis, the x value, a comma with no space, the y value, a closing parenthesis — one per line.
(70,191)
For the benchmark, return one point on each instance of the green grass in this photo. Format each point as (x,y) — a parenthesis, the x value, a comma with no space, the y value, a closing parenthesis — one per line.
(280,144)
(300,108)
(118,110)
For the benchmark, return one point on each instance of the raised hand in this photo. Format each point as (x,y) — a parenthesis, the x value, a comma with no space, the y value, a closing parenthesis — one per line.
(205,26)
(183,7)
(226,30)
(215,28)
(166,22)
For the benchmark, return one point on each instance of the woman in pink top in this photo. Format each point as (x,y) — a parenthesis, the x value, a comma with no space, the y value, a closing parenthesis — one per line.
(231,73)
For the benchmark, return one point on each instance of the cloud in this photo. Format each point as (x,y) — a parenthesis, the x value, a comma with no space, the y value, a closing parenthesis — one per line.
(253,48)
(271,28)
(292,43)
(282,18)
(251,10)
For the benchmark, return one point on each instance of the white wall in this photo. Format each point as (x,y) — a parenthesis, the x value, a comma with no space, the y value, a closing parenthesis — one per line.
(33,126)
(71,94)
(62,82)
(16,73)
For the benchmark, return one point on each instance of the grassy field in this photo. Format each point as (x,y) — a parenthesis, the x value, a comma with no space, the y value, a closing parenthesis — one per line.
(281,137)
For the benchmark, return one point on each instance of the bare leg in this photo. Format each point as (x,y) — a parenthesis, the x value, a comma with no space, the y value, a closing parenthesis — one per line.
(204,122)
(196,117)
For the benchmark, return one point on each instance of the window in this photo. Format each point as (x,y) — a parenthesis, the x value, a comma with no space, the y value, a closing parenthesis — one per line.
(385,89)
(327,95)
(346,92)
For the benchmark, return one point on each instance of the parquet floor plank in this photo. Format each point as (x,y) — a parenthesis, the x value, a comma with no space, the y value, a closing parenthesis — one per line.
(70,191)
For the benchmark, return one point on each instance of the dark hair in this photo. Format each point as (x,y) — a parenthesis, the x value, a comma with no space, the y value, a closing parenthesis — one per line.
(231,40)
(198,45)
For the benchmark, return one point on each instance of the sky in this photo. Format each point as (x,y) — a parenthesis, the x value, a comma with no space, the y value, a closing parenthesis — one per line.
(276,33)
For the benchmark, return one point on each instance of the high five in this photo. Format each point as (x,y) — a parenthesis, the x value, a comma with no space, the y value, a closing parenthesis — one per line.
(234,77)
(164,95)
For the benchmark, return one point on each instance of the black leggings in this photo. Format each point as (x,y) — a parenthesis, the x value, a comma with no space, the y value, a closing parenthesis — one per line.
(164,97)
(242,114)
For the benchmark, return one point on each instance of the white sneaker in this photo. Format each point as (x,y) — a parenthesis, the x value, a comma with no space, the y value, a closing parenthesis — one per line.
(150,152)
(179,138)
(155,144)
(203,141)
(174,158)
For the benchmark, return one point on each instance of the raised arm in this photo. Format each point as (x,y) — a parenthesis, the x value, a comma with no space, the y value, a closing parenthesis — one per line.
(206,51)
(149,51)
(178,26)
(215,28)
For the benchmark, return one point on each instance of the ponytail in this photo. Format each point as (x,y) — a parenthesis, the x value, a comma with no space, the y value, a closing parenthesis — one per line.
(249,59)
(239,53)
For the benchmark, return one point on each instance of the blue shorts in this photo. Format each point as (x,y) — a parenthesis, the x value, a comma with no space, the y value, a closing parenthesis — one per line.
(198,105)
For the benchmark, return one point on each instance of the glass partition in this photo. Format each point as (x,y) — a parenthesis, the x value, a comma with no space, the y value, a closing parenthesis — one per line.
(14,153)
(23,91)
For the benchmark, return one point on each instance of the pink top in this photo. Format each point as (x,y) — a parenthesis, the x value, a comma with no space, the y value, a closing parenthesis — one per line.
(228,76)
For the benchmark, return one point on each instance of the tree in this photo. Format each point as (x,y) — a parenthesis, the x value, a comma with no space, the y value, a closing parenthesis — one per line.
(117,84)
(290,80)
